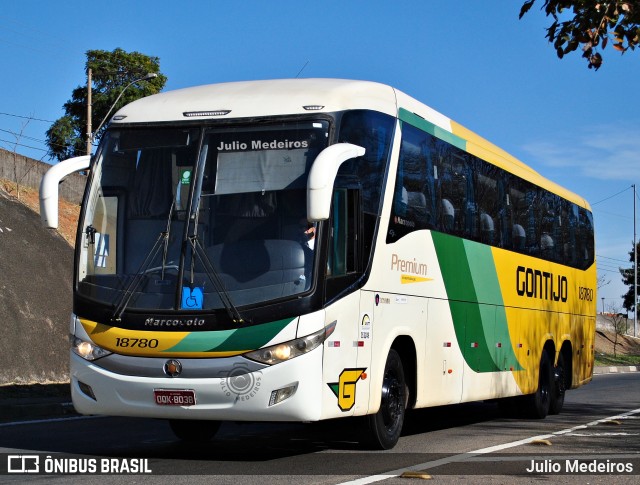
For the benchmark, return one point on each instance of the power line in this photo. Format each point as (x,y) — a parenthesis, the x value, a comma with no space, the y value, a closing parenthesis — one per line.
(19,136)
(612,259)
(22,145)
(609,271)
(611,196)
(607,263)
(27,117)
(605,266)
(628,218)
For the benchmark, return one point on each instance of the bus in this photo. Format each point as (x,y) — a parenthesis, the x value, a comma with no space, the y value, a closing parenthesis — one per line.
(309,249)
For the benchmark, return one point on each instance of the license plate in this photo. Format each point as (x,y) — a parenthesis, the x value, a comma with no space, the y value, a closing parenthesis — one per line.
(174,397)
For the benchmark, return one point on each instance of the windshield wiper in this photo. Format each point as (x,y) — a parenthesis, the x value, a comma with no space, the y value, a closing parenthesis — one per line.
(133,285)
(214,277)
(163,240)
(167,233)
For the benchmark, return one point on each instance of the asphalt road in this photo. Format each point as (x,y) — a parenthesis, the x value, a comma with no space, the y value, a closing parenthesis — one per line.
(472,443)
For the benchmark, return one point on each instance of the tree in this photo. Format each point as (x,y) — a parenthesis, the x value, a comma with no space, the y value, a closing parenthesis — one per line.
(627,278)
(111,73)
(619,324)
(591,25)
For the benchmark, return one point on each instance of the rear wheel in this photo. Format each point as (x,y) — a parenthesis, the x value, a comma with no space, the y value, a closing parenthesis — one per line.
(559,387)
(385,426)
(194,431)
(537,405)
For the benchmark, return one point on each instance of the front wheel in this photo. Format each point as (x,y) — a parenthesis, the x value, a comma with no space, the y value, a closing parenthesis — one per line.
(385,426)
(194,431)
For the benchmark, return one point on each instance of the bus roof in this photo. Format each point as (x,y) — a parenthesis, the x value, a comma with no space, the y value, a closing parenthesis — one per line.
(303,96)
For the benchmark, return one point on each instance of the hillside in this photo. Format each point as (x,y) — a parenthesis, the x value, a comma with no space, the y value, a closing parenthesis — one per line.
(68,213)
(36,267)
(627,349)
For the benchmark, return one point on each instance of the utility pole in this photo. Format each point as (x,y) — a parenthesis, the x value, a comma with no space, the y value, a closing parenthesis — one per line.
(635,268)
(89,144)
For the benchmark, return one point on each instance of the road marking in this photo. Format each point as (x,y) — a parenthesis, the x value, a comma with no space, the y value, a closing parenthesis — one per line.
(483,451)
(50,420)
(603,434)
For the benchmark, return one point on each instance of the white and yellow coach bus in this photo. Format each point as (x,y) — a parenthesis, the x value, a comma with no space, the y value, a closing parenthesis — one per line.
(301,250)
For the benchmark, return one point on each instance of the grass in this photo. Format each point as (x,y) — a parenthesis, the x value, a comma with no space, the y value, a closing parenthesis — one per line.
(620,359)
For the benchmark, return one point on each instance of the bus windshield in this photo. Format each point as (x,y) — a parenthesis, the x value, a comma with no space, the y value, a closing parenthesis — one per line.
(186,218)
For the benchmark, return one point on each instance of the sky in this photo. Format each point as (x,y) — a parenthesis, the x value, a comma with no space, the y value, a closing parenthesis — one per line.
(474,61)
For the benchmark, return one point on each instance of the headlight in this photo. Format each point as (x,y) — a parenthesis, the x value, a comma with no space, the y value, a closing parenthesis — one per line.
(87,350)
(294,348)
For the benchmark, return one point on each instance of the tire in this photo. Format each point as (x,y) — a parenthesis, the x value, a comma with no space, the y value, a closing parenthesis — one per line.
(537,405)
(384,427)
(194,431)
(559,387)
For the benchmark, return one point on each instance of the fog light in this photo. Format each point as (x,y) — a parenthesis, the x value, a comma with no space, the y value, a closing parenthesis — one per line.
(280,395)
(86,389)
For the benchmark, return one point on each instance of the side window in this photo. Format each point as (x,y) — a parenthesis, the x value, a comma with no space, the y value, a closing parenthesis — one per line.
(585,251)
(549,226)
(454,192)
(373,131)
(104,234)
(522,222)
(345,259)
(490,204)
(414,203)
(439,186)
(343,250)
(568,225)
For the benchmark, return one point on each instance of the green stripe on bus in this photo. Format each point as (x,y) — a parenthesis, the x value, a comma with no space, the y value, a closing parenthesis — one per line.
(476,304)
(488,292)
(245,338)
(419,122)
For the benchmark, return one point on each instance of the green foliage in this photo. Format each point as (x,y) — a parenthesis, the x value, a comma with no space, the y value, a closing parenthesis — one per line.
(111,73)
(591,25)
(63,140)
(627,278)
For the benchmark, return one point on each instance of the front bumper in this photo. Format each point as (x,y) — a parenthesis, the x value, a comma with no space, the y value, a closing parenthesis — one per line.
(217,398)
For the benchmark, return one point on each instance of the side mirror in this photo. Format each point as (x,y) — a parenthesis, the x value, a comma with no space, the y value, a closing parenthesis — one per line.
(49,187)
(322,176)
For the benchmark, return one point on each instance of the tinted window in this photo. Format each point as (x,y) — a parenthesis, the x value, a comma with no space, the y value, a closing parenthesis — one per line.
(439,186)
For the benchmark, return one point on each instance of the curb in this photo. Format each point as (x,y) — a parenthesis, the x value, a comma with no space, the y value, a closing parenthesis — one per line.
(622,369)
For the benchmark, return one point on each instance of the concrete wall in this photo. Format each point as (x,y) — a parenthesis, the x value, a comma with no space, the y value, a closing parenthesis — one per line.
(28,172)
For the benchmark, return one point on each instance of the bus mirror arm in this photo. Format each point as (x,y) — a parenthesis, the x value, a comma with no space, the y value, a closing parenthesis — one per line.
(322,176)
(49,187)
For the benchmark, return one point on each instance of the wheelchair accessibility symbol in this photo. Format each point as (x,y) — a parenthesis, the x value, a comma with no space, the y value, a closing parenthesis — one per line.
(192,298)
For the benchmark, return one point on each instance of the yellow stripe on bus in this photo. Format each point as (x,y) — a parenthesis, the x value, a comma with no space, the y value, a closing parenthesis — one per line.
(144,343)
